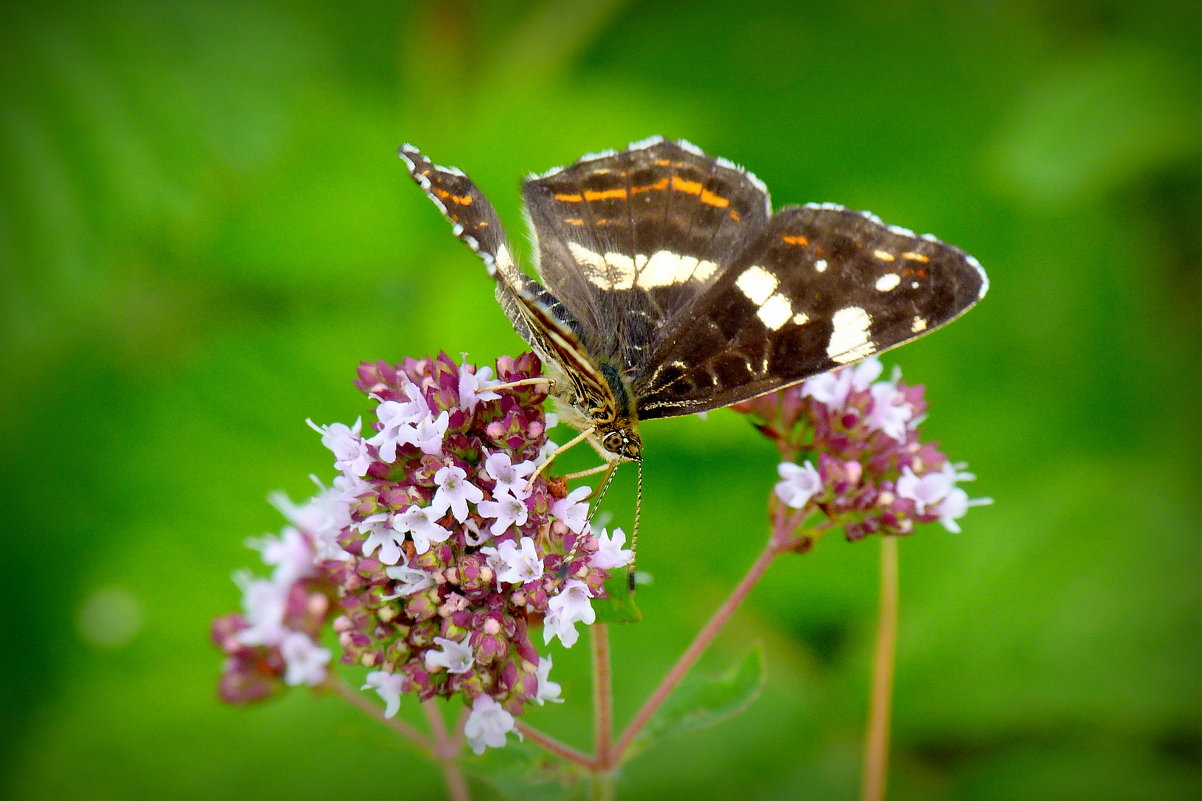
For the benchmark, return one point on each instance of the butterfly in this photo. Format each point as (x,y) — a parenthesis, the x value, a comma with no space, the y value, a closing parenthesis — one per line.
(669,286)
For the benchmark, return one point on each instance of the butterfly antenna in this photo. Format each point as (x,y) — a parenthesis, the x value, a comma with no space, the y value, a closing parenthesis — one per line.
(599,495)
(634,537)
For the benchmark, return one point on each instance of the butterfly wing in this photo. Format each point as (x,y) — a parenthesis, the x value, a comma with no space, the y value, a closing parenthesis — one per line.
(819,287)
(627,240)
(536,314)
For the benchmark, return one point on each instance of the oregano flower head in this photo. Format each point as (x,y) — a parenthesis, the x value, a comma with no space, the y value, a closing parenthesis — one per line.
(868,471)
(433,555)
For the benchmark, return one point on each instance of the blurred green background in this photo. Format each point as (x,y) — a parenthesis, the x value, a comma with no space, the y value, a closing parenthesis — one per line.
(204,228)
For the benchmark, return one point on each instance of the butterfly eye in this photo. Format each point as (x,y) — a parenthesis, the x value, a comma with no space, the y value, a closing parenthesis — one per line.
(614,442)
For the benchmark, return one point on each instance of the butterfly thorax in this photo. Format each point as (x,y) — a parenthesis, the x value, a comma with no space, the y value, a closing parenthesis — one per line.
(607,411)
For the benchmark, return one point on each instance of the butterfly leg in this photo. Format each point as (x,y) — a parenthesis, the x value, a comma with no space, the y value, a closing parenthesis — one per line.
(524,382)
(592,471)
(576,440)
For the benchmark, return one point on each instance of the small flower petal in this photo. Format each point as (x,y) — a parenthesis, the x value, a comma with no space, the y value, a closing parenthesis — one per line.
(389,686)
(798,484)
(487,725)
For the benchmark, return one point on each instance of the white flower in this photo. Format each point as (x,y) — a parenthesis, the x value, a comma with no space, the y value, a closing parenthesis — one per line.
(348,488)
(430,432)
(506,510)
(565,610)
(454,493)
(926,490)
(350,452)
(511,478)
(305,660)
(547,690)
(832,388)
(323,516)
(937,493)
(515,564)
(611,554)
(474,387)
(389,686)
(573,510)
(798,483)
(263,607)
(487,725)
(419,523)
(381,533)
(399,421)
(412,581)
(890,413)
(456,657)
(290,553)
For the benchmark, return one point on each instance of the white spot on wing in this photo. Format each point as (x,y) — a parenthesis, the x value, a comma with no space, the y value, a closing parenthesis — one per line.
(801,318)
(849,340)
(665,268)
(887,282)
(820,265)
(775,311)
(757,284)
(919,324)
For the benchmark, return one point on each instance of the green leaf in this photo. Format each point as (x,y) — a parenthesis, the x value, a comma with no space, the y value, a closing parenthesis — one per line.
(701,702)
(524,771)
(619,607)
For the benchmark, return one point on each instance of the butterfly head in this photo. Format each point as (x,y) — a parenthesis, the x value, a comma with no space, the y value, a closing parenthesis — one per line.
(621,441)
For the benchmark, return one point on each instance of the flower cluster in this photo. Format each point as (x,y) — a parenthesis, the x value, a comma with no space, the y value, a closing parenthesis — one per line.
(434,554)
(873,475)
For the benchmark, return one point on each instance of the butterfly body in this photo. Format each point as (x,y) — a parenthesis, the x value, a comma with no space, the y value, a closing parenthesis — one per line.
(669,287)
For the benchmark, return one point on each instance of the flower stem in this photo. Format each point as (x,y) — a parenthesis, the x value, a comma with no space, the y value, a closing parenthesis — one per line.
(446,751)
(603,707)
(695,649)
(550,744)
(876,740)
(363,703)
(603,786)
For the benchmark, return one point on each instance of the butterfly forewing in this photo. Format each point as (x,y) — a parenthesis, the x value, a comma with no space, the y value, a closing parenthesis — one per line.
(536,314)
(820,287)
(628,240)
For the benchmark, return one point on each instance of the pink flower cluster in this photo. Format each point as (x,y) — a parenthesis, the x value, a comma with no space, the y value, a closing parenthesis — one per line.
(434,554)
(873,475)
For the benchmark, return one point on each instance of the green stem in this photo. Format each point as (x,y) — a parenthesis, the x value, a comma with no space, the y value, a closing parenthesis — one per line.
(446,751)
(550,744)
(694,651)
(603,786)
(363,703)
(603,706)
(876,739)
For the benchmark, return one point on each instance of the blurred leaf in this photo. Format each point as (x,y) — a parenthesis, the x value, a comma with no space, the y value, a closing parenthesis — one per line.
(619,607)
(701,702)
(1096,124)
(525,772)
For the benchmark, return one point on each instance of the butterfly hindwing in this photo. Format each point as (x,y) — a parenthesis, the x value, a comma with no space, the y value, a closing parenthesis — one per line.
(820,287)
